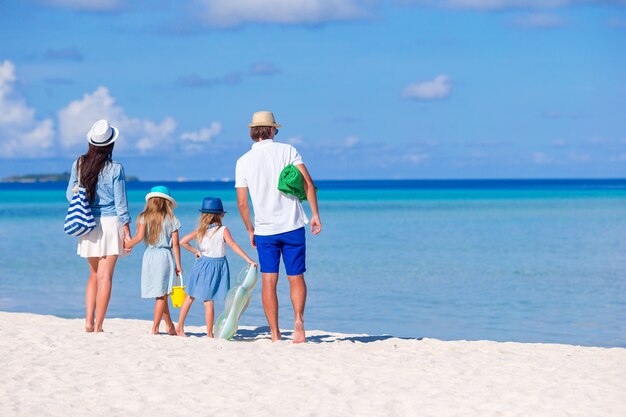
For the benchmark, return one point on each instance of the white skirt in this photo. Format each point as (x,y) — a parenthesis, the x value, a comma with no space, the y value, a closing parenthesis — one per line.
(106,239)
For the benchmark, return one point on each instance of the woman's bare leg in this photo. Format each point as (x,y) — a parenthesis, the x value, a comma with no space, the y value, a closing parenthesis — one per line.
(104,276)
(90,294)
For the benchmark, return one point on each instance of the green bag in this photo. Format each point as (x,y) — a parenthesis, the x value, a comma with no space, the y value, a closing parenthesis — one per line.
(291,182)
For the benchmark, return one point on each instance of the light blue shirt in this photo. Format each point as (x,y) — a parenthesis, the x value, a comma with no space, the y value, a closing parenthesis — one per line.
(111,197)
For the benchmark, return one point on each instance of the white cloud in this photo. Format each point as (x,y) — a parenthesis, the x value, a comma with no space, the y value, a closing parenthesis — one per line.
(85,5)
(617,23)
(541,158)
(236,12)
(295,140)
(203,135)
(538,21)
(351,141)
(439,88)
(579,157)
(264,68)
(154,135)
(504,4)
(143,135)
(21,134)
(599,140)
(416,158)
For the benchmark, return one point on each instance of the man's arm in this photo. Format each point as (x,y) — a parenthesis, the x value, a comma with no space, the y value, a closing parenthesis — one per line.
(311,196)
(244,211)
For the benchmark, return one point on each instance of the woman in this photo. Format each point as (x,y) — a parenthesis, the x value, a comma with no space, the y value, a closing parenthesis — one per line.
(105,185)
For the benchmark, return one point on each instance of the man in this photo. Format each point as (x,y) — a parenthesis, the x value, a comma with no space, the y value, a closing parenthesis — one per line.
(279,219)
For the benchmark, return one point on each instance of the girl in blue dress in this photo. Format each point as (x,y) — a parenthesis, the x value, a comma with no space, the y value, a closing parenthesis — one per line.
(158,228)
(210,276)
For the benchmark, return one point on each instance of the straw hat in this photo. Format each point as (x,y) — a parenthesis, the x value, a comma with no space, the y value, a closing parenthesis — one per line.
(264,118)
(163,192)
(102,133)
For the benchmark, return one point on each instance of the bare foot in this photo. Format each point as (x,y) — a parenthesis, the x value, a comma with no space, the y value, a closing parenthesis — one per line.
(171,330)
(89,329)
(155,331)
(298,332)
(180,332)
(210,335)
(89,326)
(276,336)
(100,330)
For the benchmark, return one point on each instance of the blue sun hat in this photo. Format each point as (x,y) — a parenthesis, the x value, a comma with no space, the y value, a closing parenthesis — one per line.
(212,205)
(163,192)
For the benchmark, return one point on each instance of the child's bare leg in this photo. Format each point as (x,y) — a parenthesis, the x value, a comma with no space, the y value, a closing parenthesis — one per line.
(208,314)
(169,325)
(159,307)
(184,309)
(90,294)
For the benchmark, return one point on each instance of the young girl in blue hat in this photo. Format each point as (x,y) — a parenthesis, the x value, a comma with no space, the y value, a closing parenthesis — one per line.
(158,228)
(210,276)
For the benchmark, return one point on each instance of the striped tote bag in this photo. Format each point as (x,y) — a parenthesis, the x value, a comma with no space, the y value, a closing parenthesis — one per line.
(79,219)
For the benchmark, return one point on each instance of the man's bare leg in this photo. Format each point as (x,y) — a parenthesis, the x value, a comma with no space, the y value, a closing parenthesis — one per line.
(297,290)
(270,303)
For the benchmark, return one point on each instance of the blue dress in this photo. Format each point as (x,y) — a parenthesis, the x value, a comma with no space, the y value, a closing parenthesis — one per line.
(210,277)
(158,269)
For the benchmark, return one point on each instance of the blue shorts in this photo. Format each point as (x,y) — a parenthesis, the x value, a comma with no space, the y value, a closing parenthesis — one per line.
(291,244)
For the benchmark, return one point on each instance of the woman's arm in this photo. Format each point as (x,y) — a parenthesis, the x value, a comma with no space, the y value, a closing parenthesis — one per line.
(184,242)
(139,235)
(235,247)
(176,251)
(119,195)
(69,193)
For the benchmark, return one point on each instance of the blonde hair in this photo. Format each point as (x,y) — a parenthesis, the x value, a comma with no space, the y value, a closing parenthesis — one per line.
(205,221)
(154,214)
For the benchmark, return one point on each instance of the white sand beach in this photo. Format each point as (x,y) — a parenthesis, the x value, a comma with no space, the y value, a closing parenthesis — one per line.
(50,367)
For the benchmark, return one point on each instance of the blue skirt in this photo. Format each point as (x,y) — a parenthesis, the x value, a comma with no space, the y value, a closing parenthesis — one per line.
(209,279)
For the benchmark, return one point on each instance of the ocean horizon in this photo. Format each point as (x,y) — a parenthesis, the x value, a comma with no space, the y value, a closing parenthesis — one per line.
(527,260)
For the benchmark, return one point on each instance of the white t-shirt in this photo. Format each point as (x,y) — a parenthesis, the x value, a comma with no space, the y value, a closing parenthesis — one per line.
(259,169)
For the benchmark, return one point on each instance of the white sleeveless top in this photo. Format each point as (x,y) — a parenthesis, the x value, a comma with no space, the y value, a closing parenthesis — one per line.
(213,244)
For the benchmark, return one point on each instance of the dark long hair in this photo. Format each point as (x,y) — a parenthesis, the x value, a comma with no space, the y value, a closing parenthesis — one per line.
(91,164)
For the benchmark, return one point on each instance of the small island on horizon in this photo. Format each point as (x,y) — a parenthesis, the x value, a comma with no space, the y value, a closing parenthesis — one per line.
(31,178)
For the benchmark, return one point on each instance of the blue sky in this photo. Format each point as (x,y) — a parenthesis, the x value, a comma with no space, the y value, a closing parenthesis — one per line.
(364,89)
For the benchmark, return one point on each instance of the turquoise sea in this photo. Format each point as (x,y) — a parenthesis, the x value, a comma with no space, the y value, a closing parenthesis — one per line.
(527,261)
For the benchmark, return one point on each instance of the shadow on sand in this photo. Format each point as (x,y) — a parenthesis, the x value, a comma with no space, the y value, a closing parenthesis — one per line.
(263,332)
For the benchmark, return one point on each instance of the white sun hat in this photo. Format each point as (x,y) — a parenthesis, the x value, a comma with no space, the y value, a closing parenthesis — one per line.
(102,133)
(264,118)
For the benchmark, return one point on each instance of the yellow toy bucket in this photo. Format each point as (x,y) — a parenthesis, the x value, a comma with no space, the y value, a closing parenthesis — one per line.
(178,293)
